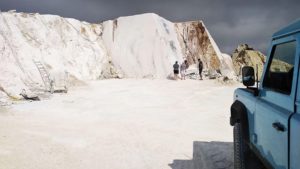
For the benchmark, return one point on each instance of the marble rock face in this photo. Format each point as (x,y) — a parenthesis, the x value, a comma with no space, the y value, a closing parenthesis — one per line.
(139,46)
(197,43)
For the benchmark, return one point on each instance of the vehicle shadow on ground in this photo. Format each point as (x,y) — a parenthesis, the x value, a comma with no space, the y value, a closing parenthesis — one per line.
(208,155)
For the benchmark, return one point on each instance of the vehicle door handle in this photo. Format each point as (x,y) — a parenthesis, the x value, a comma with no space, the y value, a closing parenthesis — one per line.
(278,126)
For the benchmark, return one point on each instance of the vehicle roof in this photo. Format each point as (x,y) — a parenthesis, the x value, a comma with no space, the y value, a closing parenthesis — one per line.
(288,30)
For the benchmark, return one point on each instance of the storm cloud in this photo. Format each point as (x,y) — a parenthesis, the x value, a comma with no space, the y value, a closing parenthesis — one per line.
(230,22)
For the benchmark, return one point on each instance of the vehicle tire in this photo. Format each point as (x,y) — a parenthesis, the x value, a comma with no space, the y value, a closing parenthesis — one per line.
(241,149)
(244,158)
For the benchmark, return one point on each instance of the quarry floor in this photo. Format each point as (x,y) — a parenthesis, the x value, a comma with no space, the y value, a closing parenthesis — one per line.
(122,124)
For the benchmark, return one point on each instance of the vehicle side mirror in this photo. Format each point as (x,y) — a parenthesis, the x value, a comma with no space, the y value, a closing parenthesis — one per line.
(248,76)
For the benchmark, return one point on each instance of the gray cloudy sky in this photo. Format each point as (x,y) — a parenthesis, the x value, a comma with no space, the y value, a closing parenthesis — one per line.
(230,22)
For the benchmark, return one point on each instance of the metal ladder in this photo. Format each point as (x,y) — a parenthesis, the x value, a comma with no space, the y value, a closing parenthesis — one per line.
(45,76)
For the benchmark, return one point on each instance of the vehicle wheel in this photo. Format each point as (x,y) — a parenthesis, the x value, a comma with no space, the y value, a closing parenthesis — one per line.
(243,156)
(241,149)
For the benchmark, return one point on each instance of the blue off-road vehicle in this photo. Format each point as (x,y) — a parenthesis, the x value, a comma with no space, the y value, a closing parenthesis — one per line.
(266,118)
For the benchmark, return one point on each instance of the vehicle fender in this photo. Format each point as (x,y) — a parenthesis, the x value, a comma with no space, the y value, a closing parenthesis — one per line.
(239,115)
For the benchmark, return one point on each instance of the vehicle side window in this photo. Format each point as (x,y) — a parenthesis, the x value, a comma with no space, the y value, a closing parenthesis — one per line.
(279,74)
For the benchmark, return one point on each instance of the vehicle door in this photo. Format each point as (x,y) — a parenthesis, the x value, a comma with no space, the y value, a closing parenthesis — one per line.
(275,103)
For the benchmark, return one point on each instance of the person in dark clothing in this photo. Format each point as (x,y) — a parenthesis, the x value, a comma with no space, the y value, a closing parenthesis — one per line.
(176,70)
(200,66)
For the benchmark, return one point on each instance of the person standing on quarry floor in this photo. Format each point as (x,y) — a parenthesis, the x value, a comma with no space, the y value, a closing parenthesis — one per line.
(183,68)
(176,70)
(200,67)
